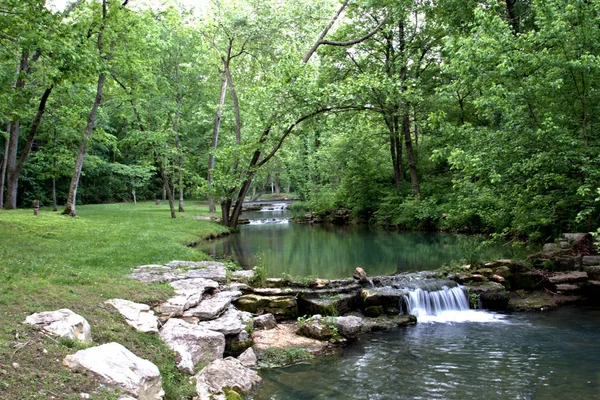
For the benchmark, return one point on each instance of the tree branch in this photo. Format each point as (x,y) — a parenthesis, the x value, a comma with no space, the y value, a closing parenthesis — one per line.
(356,41)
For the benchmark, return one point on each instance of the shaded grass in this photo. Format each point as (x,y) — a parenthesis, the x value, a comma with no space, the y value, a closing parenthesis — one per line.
(52,261)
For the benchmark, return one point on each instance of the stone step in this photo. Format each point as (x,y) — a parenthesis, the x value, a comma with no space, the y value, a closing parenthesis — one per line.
(570,276)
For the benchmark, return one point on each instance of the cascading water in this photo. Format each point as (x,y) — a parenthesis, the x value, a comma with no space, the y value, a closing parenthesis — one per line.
(275,207)
(277,213)
(445,305)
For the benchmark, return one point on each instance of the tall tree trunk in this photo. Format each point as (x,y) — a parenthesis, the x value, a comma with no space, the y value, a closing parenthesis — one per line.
(179,172)
(13,138)
(54,207)
(412,164)
(14,169)
(276,182)
(167,188)
(89,129)
(410,156)
(215,141)
(3,169)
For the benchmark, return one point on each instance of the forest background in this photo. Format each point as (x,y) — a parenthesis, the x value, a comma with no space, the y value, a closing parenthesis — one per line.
(458,115)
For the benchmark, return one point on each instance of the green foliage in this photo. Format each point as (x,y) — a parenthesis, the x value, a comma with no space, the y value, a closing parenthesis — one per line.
(276,357)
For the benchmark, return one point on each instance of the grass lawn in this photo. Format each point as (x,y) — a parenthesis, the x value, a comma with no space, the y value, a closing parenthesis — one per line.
(52,261)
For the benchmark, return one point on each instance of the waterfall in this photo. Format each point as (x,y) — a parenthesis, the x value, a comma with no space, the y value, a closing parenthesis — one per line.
(275,207)
(266,221)
(445,305)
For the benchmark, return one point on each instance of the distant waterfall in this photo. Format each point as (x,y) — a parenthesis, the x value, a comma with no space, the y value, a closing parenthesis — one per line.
(275,207)
(445,305)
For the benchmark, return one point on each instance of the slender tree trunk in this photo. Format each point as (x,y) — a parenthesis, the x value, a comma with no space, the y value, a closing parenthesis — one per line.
(13,139)
(177,144)
(179,173)
(3,170)
(276,182)
(14,169)
(54,207)
(11,166)
(410,156)
(89,129)
(215,141)
(167,188)
(412,164)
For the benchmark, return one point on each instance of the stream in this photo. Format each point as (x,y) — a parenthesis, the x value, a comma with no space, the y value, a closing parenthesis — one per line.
(452,353)
(549,355)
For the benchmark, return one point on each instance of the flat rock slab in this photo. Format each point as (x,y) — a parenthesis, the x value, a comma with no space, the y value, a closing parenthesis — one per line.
(570,276)
(120,368)
(591,260)
(200,269)
(213,307)
(282,307)
(63,323)
(226,373)
(188,293)
(140,316)
(284,337)
(539,300)
(193,344)
(230,323)
(154,273)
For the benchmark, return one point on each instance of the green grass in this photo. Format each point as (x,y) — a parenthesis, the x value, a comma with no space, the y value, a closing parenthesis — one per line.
(52,261)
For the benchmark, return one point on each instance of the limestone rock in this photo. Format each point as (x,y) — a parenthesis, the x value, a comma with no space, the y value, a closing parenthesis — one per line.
(140,316)
(188,293)
(382,300)
(337,304)
(230,323)
(317,327)
(265,321)
(193,344)
(570,276)
(63,323)
(226,373)
(244,275)
(248,358)
(211,308)
(154,273)
(387,322)
(593,271)
(492,296)
(360,275)
(349,327)
(591,260)
(282,307)
(285,337)
(204,269)
(118,367)
(237,344)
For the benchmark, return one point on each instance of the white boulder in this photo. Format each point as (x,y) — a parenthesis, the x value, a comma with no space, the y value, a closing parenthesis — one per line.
(192,343)
(225,373)
(140,316)
(63,323)
(118,367)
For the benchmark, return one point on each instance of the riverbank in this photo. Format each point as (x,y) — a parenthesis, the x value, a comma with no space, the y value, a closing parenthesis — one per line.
(51,262)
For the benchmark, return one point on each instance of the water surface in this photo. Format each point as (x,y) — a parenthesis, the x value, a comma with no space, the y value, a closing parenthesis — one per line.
(329,251)
(550,355)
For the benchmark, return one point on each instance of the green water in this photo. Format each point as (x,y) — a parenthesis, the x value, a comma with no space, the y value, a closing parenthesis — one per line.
(550,355)
(328,251)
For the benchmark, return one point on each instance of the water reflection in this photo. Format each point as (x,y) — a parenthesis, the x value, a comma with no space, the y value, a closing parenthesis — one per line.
(329,251)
